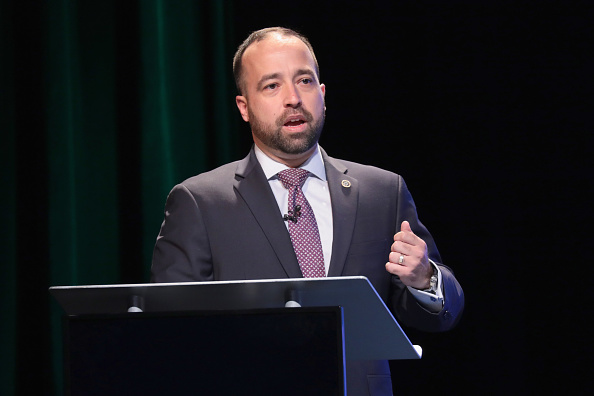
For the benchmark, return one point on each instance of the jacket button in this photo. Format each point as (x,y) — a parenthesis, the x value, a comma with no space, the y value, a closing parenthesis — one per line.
(447,315)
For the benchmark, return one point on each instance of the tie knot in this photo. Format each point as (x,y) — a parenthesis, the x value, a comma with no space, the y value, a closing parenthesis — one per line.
(293,177)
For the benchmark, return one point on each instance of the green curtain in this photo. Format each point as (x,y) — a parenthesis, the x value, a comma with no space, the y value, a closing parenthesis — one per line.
(134,97)
(187,104)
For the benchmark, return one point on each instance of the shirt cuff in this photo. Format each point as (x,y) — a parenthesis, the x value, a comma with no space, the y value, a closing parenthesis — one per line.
(431,302)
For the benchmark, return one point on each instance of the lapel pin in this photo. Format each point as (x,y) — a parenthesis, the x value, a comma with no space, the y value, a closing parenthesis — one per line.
(346,183)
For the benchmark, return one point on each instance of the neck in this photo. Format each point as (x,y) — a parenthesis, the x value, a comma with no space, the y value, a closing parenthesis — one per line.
(290,160)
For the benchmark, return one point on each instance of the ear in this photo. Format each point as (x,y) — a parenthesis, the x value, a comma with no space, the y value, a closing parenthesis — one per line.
(241,102)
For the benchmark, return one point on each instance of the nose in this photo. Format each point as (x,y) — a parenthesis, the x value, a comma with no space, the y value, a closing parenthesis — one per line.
(292,97)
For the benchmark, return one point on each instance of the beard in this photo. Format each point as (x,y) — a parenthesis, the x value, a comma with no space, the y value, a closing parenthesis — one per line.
(292,143)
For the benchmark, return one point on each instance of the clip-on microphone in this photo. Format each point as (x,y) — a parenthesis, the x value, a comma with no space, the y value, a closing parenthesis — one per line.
(293,214)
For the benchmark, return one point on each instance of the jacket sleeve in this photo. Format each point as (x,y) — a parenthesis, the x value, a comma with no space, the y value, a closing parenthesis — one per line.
(182,251)
(404,305)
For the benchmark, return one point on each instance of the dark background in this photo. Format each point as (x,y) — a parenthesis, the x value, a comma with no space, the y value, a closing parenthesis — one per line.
(485,108)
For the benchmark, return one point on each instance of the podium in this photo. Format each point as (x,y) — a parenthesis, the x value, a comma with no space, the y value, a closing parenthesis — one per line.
(280,336)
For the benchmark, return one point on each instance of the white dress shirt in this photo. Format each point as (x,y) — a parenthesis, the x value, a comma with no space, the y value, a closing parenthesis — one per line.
(317,193)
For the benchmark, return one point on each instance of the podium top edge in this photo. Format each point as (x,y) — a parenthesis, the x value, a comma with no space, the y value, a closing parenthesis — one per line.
(255,281)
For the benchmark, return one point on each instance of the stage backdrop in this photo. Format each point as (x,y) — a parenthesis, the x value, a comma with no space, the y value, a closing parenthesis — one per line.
(106,105)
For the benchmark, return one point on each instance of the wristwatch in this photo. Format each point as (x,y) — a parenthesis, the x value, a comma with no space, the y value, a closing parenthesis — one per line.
(432,283)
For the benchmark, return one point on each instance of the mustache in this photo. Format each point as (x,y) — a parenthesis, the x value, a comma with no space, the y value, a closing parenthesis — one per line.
(280,121)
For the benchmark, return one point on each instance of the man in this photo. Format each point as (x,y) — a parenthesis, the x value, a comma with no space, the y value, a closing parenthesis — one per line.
(228,224)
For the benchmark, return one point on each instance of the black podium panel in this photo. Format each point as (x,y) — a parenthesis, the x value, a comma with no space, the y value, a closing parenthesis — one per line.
(288,351)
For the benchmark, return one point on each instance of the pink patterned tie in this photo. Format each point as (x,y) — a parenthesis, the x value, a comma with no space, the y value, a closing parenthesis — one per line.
(303,227)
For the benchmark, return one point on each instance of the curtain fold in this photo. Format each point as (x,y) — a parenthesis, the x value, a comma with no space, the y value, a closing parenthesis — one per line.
(81,130)
(187,107)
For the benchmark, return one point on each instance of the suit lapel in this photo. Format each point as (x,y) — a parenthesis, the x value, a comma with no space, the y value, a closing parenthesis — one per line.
(344,193)
(250,182)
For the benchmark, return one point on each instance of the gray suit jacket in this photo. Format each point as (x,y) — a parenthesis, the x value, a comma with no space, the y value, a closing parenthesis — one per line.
(225,225)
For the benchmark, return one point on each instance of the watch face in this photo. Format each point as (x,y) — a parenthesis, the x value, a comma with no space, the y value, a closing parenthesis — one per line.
(433,283)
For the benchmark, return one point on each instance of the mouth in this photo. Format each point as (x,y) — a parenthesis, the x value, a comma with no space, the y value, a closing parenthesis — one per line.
(295,122)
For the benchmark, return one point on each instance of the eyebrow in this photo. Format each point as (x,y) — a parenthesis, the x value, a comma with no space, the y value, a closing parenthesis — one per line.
(309,72)
(267,77)
(273,76)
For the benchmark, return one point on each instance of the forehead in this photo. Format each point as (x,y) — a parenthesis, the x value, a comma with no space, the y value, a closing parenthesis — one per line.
(276,54)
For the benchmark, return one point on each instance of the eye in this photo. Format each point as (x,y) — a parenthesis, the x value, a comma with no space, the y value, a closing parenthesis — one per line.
(271,86)
(306,80)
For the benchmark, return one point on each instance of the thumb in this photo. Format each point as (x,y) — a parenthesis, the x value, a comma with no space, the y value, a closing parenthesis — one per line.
(405,226)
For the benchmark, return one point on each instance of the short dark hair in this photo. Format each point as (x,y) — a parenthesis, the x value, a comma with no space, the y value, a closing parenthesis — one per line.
(258,36)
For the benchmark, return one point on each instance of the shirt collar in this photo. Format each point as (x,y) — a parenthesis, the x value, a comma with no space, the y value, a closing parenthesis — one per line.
(314,164)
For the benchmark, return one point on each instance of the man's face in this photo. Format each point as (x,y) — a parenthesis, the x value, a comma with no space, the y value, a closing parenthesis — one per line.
(282,100)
